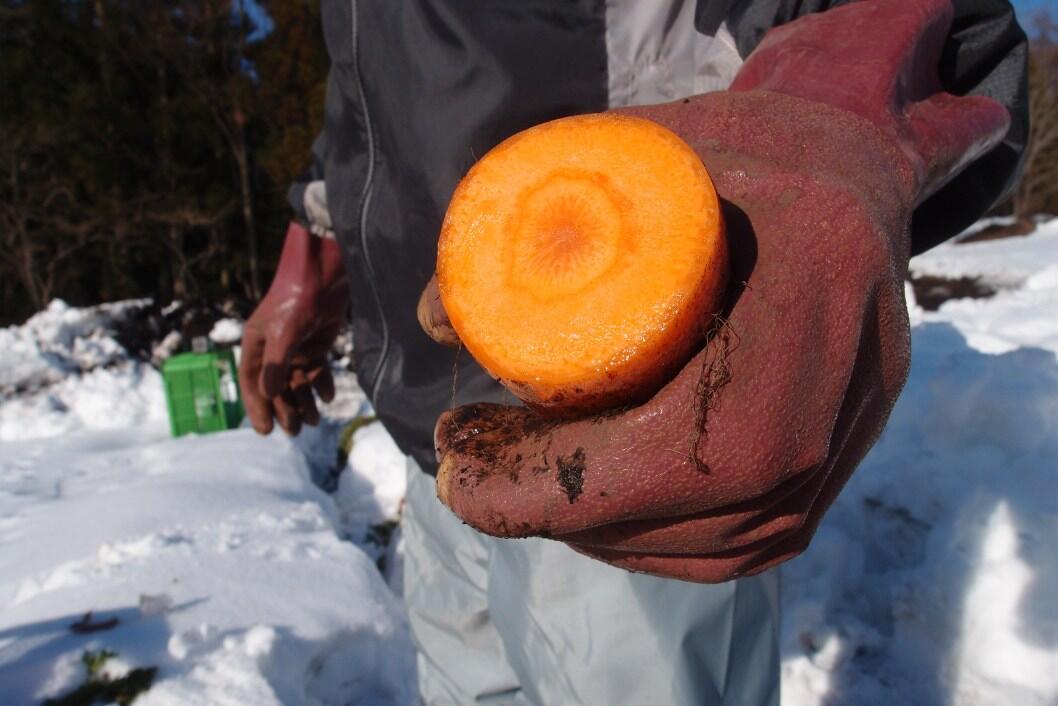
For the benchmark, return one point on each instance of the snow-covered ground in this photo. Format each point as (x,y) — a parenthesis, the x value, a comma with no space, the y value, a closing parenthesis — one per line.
(933,581)
(934,578)
(223,562)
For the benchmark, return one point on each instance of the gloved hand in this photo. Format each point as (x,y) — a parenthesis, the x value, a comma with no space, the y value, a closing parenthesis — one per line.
(834,130)
(287,338)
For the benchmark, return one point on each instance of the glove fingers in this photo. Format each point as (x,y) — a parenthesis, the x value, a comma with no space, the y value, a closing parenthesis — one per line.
(793,508)
(433,318)
(711,568)
(467,430)
(258,407)
(951,132)
(524,475)
(707,533)
(287,414)
(275,362)
(305,402)
(509,472)
(323,383)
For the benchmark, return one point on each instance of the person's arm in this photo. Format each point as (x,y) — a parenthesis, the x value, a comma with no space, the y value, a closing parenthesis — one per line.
(288,337)
(985,54)
(834,132)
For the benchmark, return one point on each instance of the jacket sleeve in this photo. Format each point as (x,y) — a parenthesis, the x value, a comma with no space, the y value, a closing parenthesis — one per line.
(307,195)
(986,54)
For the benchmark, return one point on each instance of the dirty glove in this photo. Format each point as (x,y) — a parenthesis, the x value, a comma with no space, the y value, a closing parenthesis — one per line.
(287,338)
(834,130)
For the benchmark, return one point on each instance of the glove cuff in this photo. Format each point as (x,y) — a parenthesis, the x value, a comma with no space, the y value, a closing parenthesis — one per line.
(310,259)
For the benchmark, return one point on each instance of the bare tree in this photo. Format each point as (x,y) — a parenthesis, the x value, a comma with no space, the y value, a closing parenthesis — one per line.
(219,77)
(42,225)
(1038,189)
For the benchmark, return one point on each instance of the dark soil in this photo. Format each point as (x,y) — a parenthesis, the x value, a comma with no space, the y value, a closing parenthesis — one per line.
(571,474)
(1018,228)
(141,329)
(931,292)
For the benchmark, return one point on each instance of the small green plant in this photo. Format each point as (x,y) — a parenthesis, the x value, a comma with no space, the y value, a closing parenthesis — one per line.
(99,688)
(345,442)
(94,661)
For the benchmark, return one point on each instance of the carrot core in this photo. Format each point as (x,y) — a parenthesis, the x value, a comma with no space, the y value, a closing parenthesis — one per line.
(565,234)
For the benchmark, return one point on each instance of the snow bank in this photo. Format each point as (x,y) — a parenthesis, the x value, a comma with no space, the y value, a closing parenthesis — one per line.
(268,604)
(128,394)
(371,489)
(370,499)
(1025,316)
(932,579)
(64,371)
(224,564)
(57,342)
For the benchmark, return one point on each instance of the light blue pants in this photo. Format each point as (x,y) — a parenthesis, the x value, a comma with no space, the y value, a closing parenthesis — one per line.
(529,621)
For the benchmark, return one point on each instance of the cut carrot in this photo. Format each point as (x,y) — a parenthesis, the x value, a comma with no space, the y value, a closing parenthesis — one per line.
(581,261)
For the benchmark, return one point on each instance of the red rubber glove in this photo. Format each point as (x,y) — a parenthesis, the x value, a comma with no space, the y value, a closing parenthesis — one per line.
(287,338)
(834,130)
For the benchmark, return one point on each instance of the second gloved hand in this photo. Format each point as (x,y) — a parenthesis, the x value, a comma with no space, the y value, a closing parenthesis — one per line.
(287,338)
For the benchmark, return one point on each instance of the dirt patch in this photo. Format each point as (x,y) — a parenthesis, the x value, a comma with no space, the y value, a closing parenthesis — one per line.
(931,292)
(996,232)
(571,474)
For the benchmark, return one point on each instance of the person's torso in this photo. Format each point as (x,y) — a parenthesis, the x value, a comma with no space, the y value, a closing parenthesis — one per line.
(418,92)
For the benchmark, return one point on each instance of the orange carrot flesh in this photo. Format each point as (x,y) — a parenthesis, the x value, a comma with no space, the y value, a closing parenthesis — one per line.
(580,260)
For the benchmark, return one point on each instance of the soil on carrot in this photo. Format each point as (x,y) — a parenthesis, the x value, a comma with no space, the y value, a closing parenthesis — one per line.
(571,474)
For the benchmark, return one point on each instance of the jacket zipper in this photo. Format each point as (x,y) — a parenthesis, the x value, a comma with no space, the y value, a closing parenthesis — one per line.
(365,206)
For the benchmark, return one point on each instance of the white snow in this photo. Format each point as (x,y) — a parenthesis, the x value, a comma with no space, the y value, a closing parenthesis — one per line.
(1007,262)
(933,577)
(124,396)
(57,342)
(1025,270)
(226,331)
(227,567)
(372,489)
(932,580)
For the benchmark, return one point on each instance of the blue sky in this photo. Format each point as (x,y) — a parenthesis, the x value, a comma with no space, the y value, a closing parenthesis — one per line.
(1027,6)
(1024,8)
(262,22)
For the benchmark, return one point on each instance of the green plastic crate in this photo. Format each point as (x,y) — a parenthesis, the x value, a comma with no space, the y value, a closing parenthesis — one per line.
(202,392)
